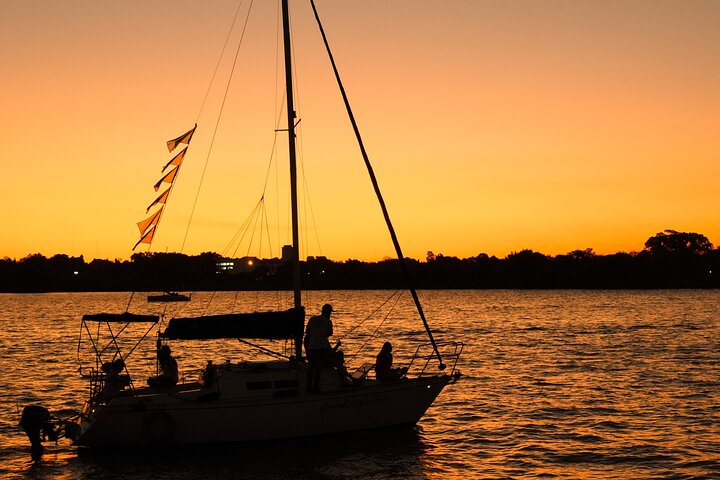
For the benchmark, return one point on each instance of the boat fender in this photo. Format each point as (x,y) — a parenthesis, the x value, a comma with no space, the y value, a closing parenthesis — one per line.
(158,428)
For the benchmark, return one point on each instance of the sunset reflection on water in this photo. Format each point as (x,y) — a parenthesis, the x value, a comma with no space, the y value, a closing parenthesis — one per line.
(556,384)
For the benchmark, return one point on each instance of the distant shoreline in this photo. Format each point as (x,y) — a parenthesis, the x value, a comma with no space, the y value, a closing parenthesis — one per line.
(143,292)
(524,270)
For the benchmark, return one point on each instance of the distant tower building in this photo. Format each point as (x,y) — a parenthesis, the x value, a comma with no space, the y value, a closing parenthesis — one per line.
(287,253)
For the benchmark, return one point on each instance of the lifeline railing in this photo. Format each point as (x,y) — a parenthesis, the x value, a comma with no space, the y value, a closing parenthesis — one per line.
(96,385)
(425,353)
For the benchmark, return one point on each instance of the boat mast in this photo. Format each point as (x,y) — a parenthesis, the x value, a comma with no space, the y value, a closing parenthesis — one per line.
(293,164)
(376,187)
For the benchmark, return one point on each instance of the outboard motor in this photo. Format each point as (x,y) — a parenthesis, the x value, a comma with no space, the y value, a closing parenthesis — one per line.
(72,430)
(39,426)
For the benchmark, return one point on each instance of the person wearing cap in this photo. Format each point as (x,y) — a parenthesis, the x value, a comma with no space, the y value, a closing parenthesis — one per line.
(318,331)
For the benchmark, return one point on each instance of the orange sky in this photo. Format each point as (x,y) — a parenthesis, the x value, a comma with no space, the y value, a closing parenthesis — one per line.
(493,126)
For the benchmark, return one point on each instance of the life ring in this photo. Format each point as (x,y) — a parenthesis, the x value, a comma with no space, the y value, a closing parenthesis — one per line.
(158,428)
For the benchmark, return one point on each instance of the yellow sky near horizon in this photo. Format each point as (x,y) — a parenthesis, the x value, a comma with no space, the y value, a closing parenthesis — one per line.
(493,126)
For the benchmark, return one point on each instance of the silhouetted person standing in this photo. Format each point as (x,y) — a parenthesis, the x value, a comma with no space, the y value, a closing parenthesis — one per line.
(317,345)
(169,375)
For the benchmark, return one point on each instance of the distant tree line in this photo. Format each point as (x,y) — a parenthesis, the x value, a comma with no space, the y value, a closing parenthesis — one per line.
(670,259)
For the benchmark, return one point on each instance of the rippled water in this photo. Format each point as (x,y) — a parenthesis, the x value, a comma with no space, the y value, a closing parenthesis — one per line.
(557,384)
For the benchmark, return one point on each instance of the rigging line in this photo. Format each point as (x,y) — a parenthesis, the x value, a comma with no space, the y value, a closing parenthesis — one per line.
(273,155)
(240,233)
(267,231)
(374,333)
(278,112)
(217,125)
(307,203)
(396,292)
(306,188)
(141,339)
(112,341)
(376,187)
(78,345)
(235,299)
(118,333)
(217,66)
(242,230)
(273,151)
(258,217)
(262,349)
(245,228)
(181,310)
(277,199)
(132,294)
(257,212)
(209,302)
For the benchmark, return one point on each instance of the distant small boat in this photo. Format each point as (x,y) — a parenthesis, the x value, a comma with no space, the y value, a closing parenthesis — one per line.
(169,297)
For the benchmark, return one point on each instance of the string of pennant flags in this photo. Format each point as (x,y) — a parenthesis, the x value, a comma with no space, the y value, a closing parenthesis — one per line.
(148,227)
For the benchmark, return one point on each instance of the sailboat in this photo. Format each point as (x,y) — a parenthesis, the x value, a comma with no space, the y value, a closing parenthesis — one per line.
(262,399)
(169,297)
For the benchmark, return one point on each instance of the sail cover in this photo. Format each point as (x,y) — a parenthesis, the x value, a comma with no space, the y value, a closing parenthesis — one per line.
(125,317)
(263,325)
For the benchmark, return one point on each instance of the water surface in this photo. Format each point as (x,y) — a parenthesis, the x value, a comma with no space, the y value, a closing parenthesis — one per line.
(556,384)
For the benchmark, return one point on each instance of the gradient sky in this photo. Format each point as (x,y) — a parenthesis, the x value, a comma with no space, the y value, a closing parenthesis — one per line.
(493,126)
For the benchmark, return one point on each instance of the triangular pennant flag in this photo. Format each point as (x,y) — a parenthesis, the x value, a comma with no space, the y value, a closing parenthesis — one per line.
(168,178)
(147,238)
(152,220)
(184,138)
(161,199)
(177,159)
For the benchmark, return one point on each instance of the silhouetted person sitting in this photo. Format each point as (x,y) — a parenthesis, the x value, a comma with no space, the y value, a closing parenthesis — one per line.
(209,375)
(168,370)
(338,362)
(384,370)
(114,382)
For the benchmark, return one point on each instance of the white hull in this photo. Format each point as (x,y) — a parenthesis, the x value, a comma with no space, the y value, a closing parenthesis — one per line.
(252,400)
(197,416)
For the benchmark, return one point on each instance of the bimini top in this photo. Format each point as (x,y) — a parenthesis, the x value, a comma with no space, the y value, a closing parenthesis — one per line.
(125,317)
(265,325)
